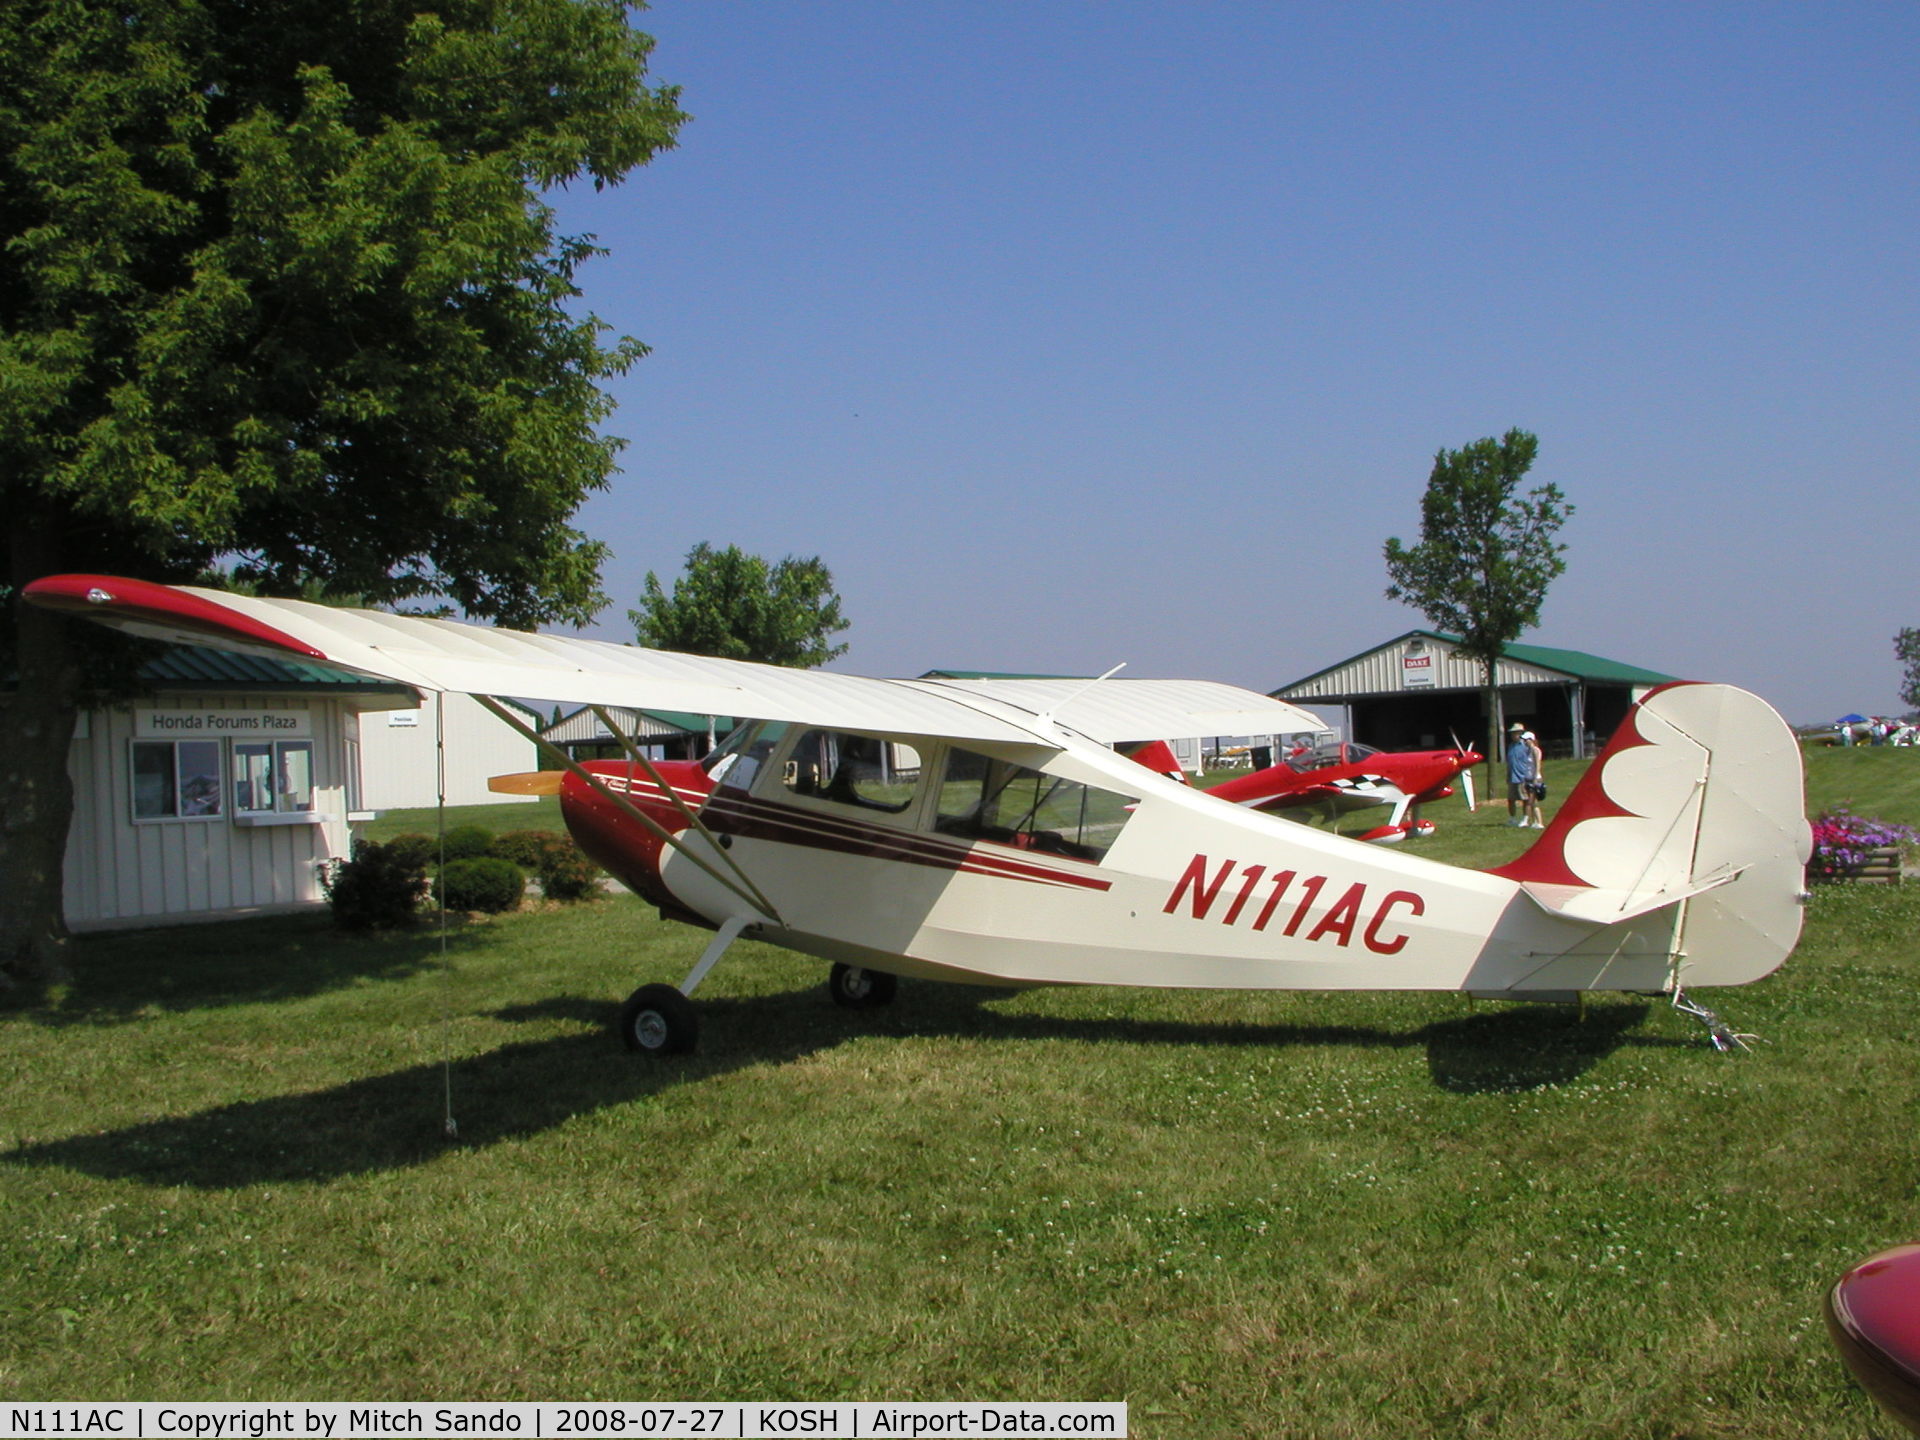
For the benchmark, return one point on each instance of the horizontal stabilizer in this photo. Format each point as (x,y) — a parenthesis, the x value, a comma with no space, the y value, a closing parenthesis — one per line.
(1607,907)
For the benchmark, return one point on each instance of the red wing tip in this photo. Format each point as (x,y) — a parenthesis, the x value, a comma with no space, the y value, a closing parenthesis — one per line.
(109,598)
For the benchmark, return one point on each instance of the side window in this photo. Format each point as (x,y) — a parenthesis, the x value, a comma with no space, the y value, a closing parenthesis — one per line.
(986,799)
(855,770)
(272,775)
(176,779)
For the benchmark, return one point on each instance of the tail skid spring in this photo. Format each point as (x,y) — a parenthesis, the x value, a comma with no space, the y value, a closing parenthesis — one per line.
(1725,1038)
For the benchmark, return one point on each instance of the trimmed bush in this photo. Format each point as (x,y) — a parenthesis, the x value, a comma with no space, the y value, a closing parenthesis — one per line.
(566,873)
(378,889)
(526,847)
(414,850)
(469,842)
(482,882)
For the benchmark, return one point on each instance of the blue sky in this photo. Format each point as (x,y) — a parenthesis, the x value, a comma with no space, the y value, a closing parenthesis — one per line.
(1075,333)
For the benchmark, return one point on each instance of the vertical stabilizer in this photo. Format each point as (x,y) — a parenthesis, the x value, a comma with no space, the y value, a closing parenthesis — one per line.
(1697,802)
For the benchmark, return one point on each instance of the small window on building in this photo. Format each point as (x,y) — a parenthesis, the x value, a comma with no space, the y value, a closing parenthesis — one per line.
(986,799)
(176,779)
(272,775)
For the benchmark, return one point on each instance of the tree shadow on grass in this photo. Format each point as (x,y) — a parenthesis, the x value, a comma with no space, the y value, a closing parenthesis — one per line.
(119,975)
(394,1121)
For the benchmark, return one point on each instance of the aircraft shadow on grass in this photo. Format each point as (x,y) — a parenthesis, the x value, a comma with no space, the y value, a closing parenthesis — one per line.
(396,1120)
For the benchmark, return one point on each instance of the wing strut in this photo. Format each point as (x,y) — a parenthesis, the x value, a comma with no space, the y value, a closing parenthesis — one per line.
(750,894)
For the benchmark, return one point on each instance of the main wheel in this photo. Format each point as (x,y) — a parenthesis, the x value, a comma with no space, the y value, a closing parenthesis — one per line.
(659,1020)
(858,988)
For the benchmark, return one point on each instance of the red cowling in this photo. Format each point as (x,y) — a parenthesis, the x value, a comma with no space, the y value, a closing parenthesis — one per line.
(625,847)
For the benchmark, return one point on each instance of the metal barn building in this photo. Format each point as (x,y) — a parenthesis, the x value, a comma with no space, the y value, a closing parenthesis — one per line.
(661,735)
(1415,692)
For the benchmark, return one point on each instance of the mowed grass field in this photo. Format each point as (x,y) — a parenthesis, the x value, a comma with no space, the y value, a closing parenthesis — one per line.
(225,1174)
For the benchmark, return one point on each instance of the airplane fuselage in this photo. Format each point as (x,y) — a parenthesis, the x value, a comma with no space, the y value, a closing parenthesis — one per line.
(1161,885)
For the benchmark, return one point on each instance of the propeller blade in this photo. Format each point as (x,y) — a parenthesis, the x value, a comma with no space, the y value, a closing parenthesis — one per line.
(1466,777)
(528,782)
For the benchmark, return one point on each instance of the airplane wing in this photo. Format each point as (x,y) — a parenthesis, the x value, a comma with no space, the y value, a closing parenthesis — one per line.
(451,655)
(1116,711)
(1357,792)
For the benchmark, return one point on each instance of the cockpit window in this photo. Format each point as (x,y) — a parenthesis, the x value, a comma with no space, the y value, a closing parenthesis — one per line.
(1329,753)
(856,770)
(986,799)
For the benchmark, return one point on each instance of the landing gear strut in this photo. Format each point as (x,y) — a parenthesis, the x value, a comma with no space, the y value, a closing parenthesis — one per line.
(659,1019)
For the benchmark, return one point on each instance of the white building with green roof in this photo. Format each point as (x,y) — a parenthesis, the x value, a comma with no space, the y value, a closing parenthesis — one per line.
(224,790)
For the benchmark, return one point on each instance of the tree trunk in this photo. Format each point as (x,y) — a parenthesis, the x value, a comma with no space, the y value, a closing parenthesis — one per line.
(36,793)
(1496,727)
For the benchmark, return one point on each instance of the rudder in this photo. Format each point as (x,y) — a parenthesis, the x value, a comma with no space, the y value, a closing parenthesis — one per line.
(1697,801)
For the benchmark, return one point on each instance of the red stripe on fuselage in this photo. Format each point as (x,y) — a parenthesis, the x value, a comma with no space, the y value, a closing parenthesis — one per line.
(731,813)
(629,850)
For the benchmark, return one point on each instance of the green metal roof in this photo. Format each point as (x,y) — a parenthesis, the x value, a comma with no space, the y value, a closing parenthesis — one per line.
(189,667)
(1576,664)
(693,724)
(1580,664)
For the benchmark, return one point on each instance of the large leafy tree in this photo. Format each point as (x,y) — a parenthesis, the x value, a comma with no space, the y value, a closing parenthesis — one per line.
(278,287)
(1486,554)
(737,606)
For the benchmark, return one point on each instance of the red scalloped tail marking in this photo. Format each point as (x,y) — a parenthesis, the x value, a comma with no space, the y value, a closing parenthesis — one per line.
(1545,863)
(104,596)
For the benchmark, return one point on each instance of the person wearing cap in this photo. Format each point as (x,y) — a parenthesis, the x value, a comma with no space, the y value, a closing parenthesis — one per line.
(1522,771)
(1535,790)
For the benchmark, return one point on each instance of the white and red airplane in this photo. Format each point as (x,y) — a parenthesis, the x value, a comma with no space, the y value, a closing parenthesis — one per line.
(1349,777)
(960,830)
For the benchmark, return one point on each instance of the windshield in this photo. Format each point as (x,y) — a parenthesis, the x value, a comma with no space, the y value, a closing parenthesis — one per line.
(739,757)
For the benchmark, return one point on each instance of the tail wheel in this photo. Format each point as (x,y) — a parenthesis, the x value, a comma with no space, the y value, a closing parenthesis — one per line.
(659,1020)
(858,988)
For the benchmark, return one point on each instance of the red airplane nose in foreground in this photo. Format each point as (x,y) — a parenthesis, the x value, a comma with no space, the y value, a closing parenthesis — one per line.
(1873,1314)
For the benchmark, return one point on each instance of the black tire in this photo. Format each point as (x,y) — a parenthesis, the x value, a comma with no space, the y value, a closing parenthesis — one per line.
(859,988)
(659,1020)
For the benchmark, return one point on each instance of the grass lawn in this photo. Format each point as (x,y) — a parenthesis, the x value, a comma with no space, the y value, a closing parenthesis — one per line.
(225,1175)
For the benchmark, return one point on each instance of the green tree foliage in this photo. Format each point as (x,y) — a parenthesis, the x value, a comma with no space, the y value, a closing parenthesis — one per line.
(738,607)
(1906,646)
(278,288)
(1486,554)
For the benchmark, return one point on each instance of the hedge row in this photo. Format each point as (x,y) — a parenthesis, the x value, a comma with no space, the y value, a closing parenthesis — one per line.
(383,885)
